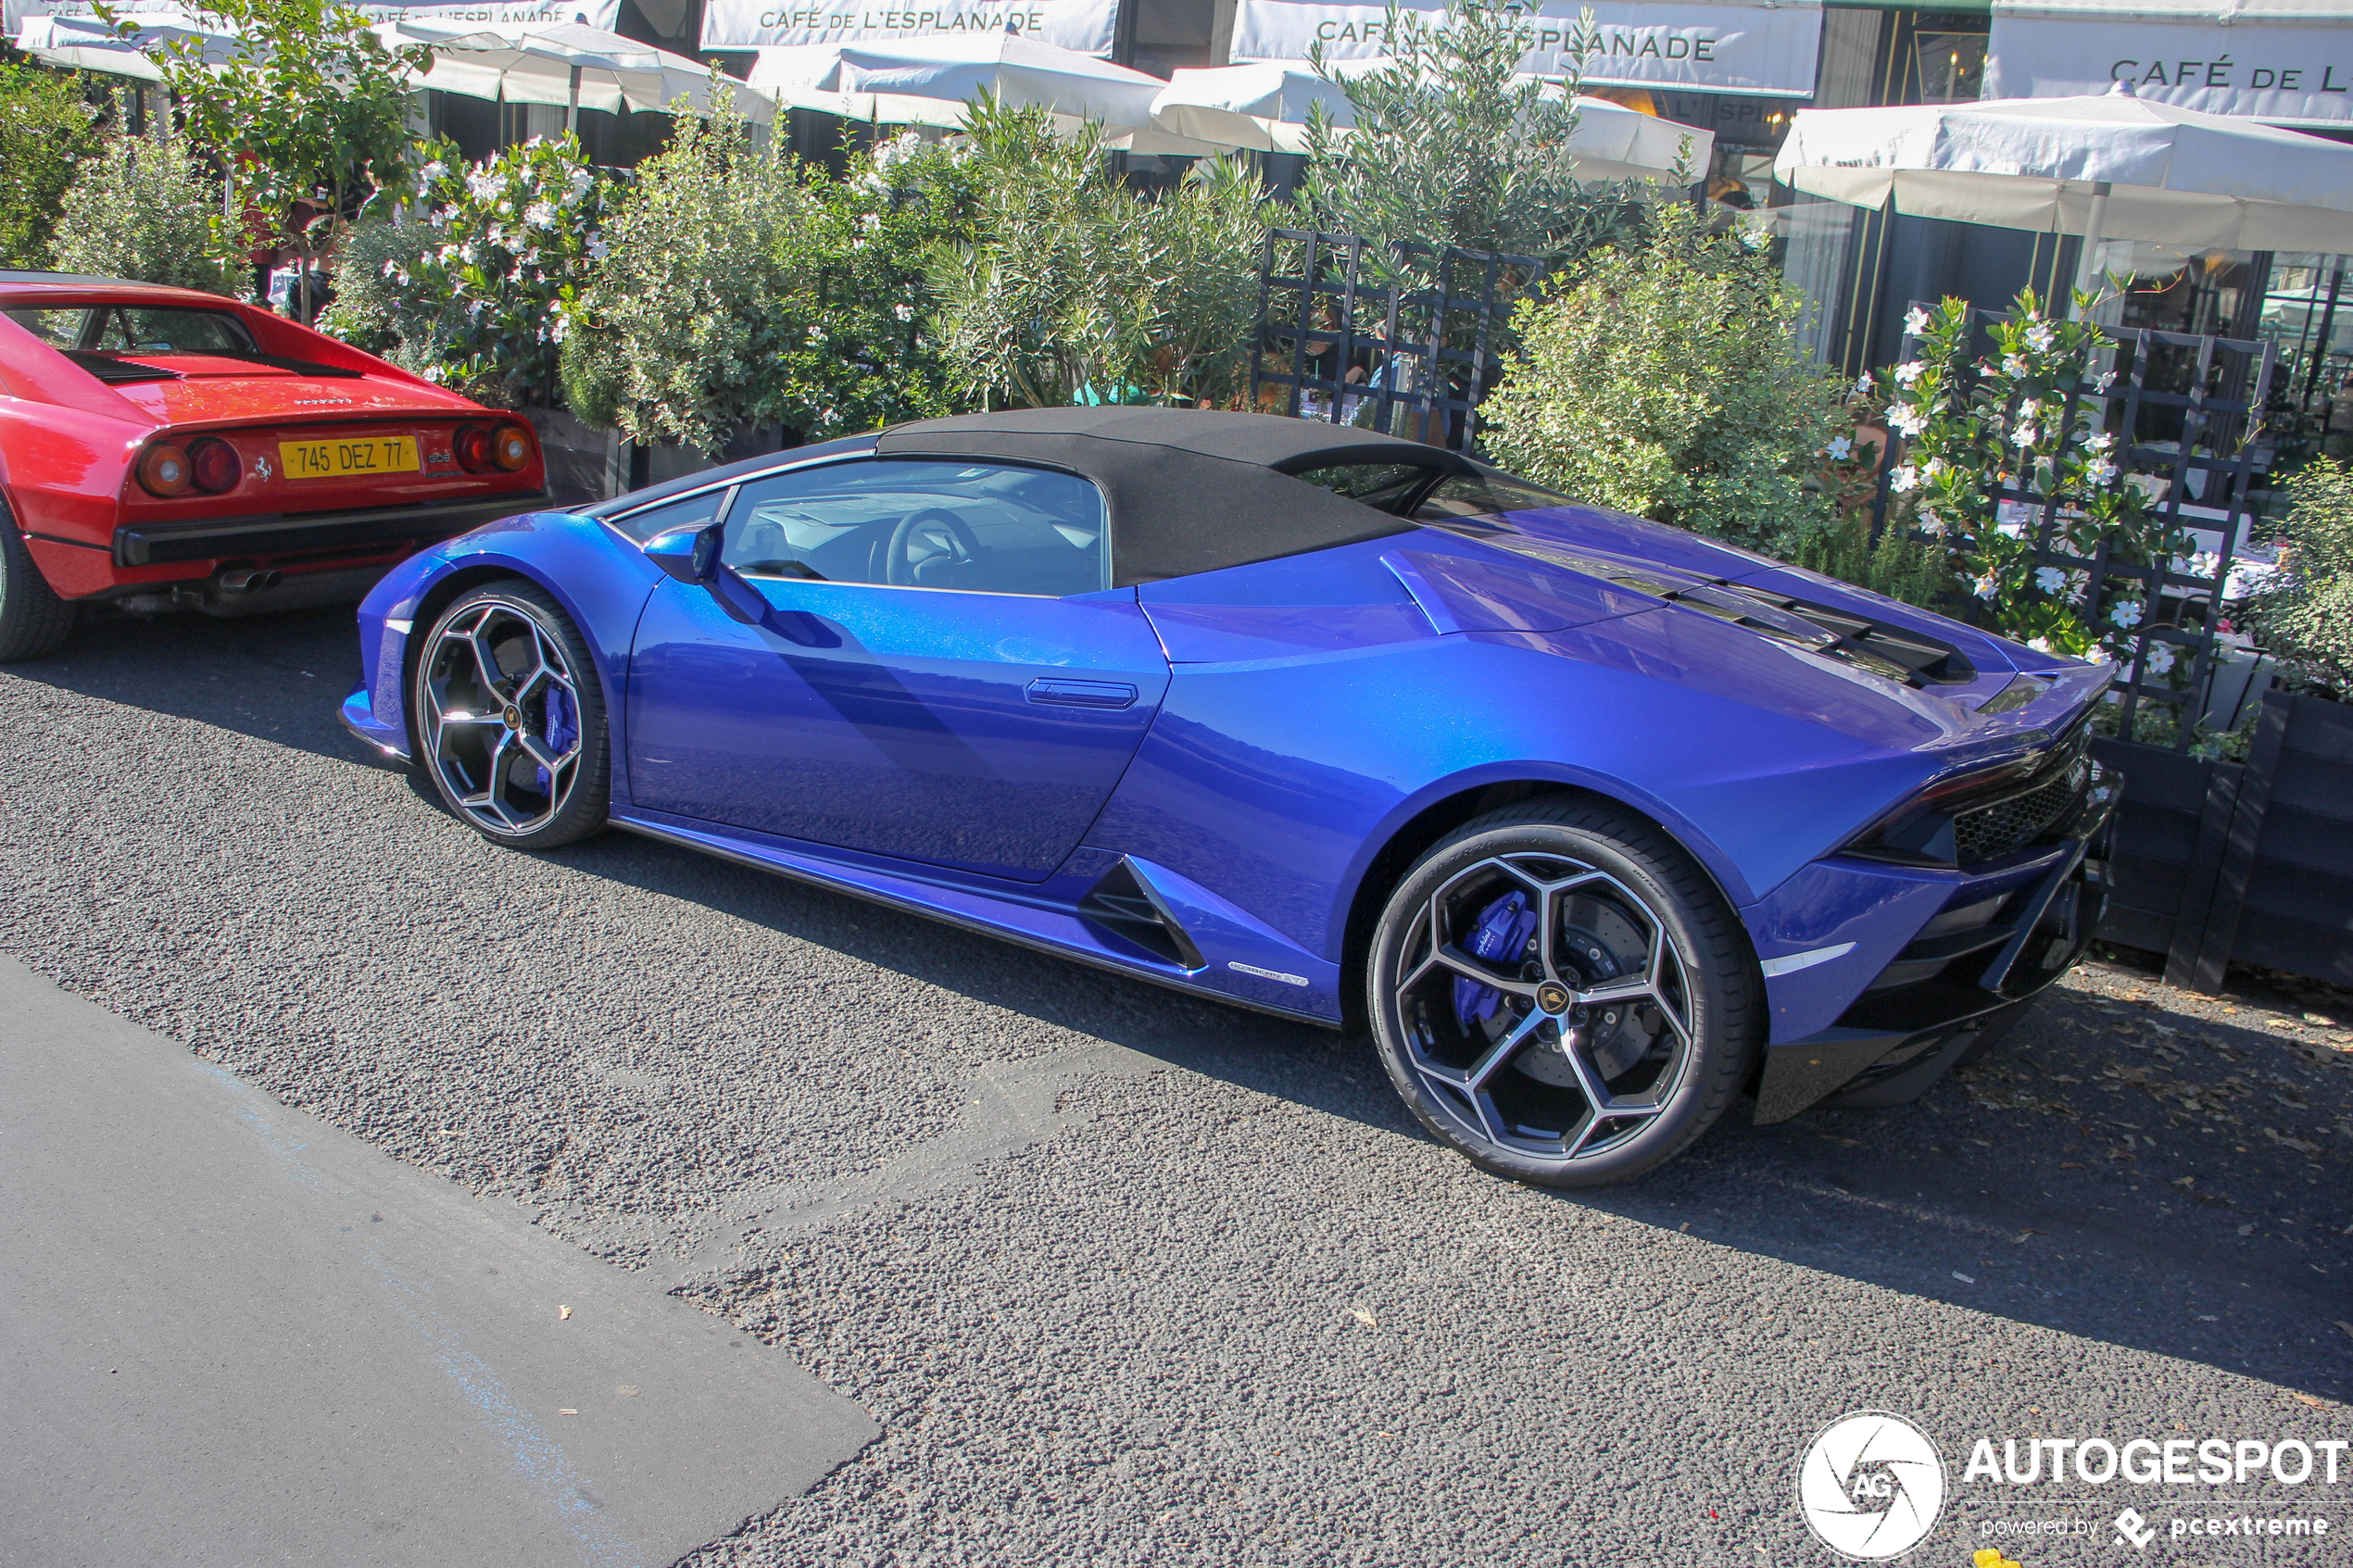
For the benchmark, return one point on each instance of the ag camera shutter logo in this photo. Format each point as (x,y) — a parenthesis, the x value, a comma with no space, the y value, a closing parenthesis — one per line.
(1871,1485)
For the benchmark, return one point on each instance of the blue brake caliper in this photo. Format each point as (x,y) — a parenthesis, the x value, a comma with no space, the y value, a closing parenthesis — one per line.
(563,729)
(1500,936)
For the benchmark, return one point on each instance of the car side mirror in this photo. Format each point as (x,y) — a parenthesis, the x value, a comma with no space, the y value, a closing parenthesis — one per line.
(690,555)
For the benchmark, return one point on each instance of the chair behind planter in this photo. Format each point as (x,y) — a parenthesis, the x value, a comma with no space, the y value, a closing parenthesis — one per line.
(1443,316)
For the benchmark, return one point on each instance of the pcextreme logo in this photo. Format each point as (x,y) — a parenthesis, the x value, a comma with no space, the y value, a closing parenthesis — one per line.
(1871,1485)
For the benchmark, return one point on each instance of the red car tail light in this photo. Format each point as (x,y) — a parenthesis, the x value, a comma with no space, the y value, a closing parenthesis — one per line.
(215,464)
(164,470)
(510,447)
(472,445)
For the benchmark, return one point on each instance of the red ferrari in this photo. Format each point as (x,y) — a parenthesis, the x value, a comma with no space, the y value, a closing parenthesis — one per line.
(164,449)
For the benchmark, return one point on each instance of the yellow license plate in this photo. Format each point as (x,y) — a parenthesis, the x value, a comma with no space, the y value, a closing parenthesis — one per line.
(342,458)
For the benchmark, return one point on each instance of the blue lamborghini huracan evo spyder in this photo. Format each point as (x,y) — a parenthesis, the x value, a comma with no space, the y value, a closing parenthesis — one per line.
(1594,824)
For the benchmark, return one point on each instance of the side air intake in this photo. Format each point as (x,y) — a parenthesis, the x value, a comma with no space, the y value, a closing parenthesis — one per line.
(1125,906)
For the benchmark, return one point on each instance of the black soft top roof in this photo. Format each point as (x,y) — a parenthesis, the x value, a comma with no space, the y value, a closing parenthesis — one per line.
(1188,490)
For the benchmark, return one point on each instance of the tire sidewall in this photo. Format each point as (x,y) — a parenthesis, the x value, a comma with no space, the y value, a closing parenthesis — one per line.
(583,811)
(1714,1005)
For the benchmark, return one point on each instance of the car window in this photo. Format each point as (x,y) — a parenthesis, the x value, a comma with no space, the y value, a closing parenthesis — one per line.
(1483,496)
(128,329)
(1383,485)
(58,328)
(699,510)
(989,528)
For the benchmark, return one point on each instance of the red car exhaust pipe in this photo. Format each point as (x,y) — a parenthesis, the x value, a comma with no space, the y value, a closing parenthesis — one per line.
(248,582)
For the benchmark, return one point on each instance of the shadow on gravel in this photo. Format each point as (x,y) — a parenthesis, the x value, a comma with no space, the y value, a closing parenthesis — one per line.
(2120,1170)
(2135,1165)
(278,678)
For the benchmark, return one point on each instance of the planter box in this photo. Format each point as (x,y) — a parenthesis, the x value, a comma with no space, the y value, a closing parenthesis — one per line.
(584,460)
(589,462)
(2219,862)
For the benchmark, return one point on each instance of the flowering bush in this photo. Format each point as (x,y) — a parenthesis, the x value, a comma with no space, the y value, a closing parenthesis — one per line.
(1991,449)
(47,129)
(476,292)
(744,291)
(1663,381)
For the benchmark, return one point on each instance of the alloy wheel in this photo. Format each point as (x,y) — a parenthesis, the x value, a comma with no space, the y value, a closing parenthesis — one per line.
(1543,1007)
(501,717)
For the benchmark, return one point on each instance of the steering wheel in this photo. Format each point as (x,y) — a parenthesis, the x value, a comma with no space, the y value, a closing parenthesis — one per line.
(941,530)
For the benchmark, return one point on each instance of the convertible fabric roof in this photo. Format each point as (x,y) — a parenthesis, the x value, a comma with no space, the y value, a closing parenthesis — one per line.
(1188,490)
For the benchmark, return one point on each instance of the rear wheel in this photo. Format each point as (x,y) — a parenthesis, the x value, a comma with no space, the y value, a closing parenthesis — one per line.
(33,621)
(510,718)
(1560,993)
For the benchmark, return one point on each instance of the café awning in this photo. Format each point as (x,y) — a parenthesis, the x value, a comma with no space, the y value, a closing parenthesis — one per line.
(2289,62)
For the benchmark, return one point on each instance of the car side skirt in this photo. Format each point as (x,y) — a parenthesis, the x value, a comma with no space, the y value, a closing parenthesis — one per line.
(1039,920)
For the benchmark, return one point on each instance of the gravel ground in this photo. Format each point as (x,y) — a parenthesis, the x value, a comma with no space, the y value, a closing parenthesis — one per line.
(1128,1278)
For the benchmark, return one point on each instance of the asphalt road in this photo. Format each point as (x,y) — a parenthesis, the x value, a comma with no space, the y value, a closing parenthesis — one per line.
(1126,1278)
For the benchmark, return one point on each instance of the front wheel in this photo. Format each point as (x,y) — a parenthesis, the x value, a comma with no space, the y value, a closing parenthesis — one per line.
(511,717)
(1560,993)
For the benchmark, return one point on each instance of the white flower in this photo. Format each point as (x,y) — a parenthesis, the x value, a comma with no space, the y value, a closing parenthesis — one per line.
(540,215)
(432,172)
(2041,644)
(597,249)
(904,312)
(2101,472)
(1862,386)
(2158,659)
(556,329)
(2014,365)
(2126,614)
(2025,436)
(1933,520)
(1916,321)
(2099,441)
(2039,337)
(2050,578)
(1840,449)
(2108,381)
(1986,587)
(392,269)
(1934,466)
(2029,410)
(1904,479)
(1908,421)
(1909,371)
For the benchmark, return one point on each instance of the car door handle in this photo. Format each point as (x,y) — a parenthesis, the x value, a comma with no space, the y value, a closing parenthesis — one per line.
(1082,694)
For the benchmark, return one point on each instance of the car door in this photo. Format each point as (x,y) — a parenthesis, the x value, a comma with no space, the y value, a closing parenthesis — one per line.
(933,666)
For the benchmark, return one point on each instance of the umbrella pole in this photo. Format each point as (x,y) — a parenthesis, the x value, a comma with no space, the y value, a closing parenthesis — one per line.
(2086,271)
(571,110)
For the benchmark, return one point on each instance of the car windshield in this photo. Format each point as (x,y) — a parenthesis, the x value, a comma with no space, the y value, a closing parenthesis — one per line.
(142,329)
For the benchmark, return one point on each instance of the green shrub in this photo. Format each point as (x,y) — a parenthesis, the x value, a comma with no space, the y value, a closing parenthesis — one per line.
(46,127)
(1073,286)
(1449,149)
(142,209)
(1662,380)
(742,290)
(2306,614)
(1899,565)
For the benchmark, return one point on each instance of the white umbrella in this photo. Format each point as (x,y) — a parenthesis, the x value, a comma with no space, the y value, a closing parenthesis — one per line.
(928,80)
(87,44)
(566,63)
(2107,166)
(1265,107)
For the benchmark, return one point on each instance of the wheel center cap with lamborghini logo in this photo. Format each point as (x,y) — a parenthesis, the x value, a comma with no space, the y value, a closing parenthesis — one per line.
(1553,996)
(514,717)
